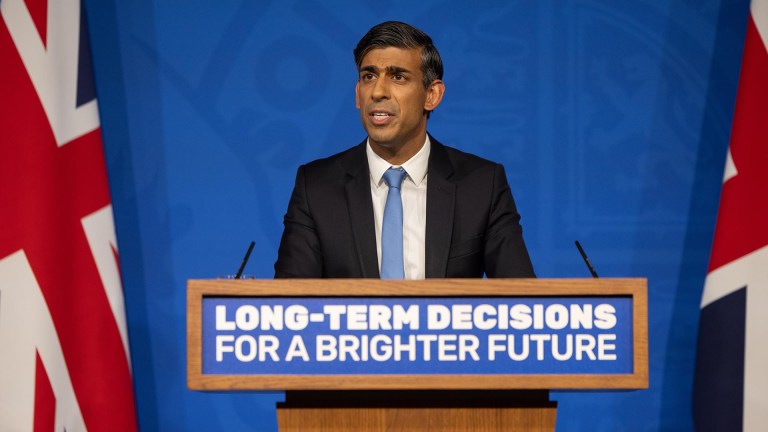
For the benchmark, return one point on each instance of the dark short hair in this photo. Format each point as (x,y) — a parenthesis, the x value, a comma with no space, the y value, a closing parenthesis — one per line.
(401,35)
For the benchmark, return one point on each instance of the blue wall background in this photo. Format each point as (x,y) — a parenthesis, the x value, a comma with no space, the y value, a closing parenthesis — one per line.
(611,118)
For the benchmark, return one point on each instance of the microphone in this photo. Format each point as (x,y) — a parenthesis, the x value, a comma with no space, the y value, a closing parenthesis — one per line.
(245,260)
(586,260)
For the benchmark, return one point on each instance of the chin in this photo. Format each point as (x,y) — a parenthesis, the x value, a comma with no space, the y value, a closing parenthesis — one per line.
(380,137)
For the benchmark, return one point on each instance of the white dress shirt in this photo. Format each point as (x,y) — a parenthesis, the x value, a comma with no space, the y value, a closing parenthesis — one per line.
(414,195)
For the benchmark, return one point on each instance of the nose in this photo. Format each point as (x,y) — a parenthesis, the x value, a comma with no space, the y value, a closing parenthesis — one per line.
(380,90)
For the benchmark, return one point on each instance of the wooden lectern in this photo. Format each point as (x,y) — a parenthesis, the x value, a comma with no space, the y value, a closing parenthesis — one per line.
(372,400)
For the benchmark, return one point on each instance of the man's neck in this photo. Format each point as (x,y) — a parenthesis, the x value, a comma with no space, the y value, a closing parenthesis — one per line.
(398,154)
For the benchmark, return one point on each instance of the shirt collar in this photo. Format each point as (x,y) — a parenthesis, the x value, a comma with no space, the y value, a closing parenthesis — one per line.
(415,167)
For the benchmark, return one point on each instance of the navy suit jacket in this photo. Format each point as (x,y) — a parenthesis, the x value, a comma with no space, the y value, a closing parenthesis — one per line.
(472,223)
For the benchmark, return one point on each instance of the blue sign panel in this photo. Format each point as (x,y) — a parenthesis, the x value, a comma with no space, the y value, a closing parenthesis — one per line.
(423,336)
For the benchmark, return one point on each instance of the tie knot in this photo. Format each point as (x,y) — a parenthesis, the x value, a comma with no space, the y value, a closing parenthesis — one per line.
(394,177)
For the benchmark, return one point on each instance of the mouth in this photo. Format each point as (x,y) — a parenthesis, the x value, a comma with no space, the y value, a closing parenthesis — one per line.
(381,118)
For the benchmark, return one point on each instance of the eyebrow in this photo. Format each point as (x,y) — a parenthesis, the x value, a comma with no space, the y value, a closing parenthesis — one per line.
(390,69)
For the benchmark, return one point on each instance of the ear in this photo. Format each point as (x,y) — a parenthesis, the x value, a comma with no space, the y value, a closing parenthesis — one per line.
(435,93)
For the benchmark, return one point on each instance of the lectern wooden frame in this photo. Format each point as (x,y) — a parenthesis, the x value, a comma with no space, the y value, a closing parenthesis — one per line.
(417,402)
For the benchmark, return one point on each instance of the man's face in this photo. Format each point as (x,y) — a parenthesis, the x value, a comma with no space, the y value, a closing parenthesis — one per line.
(391,97)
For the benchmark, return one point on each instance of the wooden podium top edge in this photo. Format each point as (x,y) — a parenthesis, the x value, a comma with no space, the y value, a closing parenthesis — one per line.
(428,287)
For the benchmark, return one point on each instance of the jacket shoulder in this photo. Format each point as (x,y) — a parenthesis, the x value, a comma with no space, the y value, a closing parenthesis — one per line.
(464,164)
(348,160)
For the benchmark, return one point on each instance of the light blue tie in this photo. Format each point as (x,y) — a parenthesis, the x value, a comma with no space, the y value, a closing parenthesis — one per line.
(392,227)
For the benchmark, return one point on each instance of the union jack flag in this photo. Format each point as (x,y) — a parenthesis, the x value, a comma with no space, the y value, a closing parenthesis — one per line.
(64,357)
(731,378)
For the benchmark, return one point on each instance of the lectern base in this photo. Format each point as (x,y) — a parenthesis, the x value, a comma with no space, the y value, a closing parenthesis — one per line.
(421,410)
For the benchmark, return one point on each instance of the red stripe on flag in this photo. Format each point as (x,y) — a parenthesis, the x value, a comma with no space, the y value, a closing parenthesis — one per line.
(38,9)
(45,401)
(742,224)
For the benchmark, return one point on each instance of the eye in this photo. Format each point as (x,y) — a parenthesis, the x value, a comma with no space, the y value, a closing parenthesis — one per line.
(398,77)
(367,76)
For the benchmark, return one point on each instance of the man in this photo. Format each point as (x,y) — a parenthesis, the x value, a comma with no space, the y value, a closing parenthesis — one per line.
(400,204)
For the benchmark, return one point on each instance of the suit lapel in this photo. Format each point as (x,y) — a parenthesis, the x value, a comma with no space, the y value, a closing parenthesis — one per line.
(441,194)
(358,194)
